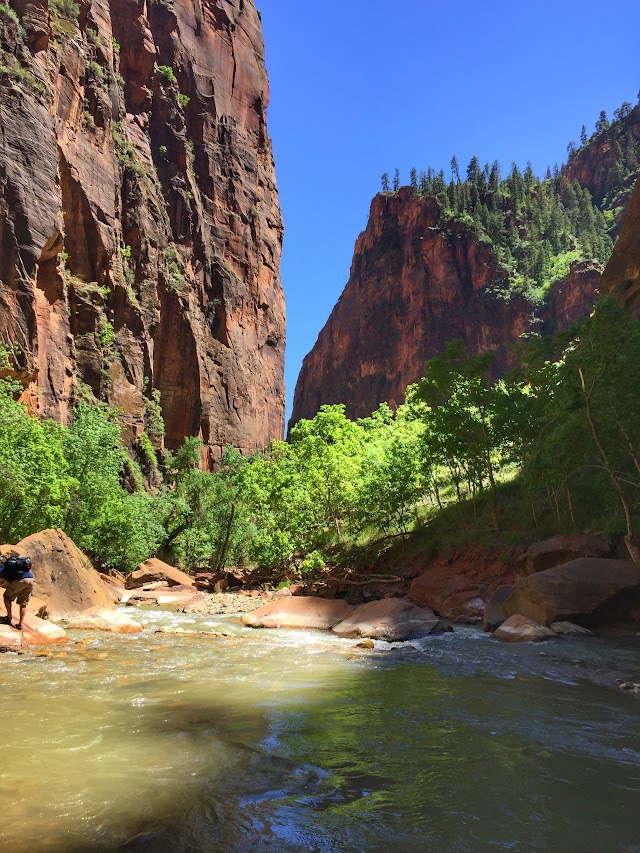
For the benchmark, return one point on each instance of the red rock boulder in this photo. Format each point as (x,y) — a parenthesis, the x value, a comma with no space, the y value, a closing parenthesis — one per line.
(299,612)
(152,571)
(98,619)
(65,580)
(444,591)
(587,591)
(494,614)
(10,639)
(40,632)
(562,549)
(392,619)
(519,629)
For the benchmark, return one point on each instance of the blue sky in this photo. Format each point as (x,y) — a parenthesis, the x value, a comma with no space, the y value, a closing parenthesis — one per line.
(358,88)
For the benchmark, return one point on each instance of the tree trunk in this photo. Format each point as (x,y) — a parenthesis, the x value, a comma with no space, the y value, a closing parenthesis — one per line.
(570,502)
(225,546)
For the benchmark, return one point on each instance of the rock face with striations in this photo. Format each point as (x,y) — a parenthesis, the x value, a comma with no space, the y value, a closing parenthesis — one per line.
(622,275)
(413,287)
(140,229)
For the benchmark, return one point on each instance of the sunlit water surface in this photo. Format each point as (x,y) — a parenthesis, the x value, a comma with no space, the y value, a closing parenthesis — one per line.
(296,741)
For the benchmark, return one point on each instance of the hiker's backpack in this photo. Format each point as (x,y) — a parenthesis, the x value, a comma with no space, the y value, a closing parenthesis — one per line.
(15,568)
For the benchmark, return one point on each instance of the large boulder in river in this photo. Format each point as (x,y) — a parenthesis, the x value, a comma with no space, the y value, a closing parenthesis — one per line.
(587,591)
(154,570)
(299,612)
(444,591)
(175,596)
(64,578)
(519,629)
(393,619)
(41,632)
(98,619)
(562,549)
(494,614)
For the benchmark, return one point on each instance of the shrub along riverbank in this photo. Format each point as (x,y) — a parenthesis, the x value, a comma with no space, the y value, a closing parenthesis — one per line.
(552,448)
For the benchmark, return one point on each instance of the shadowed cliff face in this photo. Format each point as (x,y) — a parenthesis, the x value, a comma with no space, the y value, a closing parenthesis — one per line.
(140,226)
(622,275)
(413,287)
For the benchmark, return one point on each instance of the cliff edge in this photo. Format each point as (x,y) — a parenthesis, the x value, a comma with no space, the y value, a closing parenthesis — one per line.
(140,228)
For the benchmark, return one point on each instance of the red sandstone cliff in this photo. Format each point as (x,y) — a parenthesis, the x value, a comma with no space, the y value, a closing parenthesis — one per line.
(413,287)
(594,165)
(140,229)
(622,275)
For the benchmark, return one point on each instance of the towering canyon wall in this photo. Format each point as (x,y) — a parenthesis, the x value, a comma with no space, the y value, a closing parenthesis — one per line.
(140,229)
(414,286)
(622,275)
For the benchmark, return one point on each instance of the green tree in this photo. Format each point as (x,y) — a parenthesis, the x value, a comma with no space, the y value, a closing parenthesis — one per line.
(455,169)
(603,122)
(34,477)
(460,421)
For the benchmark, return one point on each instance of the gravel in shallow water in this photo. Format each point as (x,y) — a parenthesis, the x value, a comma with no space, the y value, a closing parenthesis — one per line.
(227,602)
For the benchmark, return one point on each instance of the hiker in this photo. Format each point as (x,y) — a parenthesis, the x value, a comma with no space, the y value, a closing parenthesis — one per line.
(17,579)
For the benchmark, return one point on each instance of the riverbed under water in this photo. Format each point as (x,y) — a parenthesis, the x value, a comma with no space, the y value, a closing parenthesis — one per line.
(296,741)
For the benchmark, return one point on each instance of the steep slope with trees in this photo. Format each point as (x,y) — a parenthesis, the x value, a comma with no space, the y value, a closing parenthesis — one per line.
(482,258)
(140,229)
(607,161)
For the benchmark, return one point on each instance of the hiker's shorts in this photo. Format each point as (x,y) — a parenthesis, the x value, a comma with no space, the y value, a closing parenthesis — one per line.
(19,591)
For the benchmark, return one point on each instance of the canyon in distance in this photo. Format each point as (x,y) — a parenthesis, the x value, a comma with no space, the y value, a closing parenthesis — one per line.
(409,619)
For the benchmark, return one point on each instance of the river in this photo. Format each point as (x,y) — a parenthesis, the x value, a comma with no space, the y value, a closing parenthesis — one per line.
(296,741)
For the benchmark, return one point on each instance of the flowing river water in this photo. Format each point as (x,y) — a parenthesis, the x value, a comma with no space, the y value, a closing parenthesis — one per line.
(297,741)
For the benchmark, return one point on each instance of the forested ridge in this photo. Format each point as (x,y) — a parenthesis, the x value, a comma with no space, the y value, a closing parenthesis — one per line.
(538,226)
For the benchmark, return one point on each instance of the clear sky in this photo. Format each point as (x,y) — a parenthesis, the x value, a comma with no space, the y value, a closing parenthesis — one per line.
(362,87)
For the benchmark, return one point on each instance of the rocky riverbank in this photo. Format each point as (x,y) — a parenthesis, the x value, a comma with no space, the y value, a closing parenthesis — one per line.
(563,586)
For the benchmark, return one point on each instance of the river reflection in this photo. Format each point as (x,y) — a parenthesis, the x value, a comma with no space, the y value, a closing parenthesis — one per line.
(295,741)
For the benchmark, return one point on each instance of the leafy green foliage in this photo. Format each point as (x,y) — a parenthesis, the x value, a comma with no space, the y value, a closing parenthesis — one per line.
(176,280)
(98,75)
(312,562)
(8,14)
(64,17)
(72,478)
(105,336)
(166,74)
(15,72)
(125,152)
(550,448)
(153,420)
(587,415)
(203,521)
(34,477)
